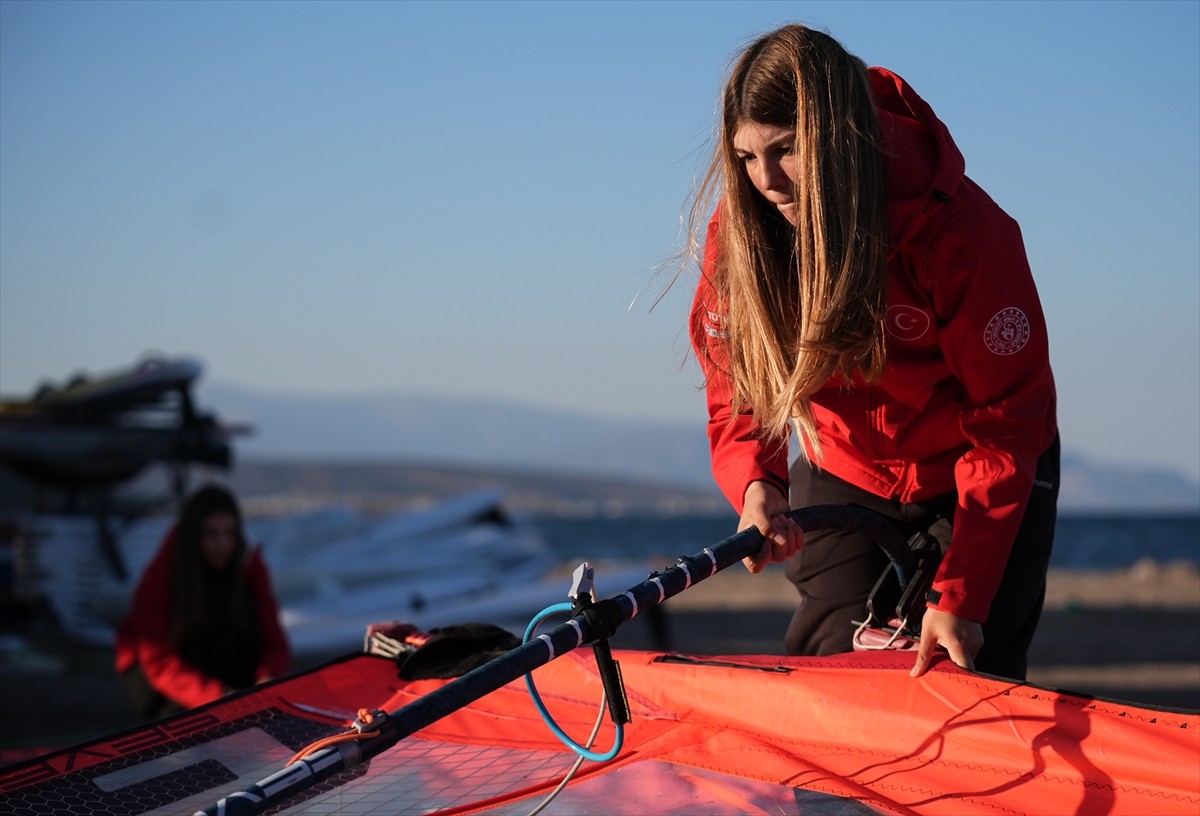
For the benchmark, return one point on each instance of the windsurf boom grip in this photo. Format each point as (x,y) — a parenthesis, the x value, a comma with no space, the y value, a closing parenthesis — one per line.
(603,619)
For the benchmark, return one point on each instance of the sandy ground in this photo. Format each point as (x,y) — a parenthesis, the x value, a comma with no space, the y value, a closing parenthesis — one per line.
(1132,635)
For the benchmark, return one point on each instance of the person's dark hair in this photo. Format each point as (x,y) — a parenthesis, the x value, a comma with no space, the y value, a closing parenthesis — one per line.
(196,586)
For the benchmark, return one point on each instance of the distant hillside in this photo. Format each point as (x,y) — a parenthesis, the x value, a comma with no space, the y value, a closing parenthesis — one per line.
(471,433)
(410,445)
(288,486)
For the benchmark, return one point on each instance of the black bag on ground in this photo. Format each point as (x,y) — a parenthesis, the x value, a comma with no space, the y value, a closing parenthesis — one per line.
(452,651)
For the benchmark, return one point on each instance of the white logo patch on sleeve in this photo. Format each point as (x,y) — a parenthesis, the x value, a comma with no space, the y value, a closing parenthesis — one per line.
(1007,332)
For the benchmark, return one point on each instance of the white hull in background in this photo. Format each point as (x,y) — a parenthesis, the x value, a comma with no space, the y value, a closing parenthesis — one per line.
(336,571)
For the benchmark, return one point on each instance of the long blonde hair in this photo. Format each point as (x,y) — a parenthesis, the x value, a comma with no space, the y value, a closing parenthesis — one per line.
(803,304)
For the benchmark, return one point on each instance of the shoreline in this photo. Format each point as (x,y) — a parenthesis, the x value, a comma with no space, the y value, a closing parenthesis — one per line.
(1147,584)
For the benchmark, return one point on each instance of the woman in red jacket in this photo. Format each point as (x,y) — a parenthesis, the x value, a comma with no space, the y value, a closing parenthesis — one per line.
(858,288)
(204,620)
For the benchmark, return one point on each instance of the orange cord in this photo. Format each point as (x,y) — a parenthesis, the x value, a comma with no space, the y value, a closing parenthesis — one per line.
(365,716)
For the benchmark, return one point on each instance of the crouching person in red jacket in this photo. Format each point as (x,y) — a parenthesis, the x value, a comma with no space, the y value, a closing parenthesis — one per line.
(204,620)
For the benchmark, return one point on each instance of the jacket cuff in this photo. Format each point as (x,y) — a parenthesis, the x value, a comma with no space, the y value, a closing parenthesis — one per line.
(734,486)
(948,599)
(778,481)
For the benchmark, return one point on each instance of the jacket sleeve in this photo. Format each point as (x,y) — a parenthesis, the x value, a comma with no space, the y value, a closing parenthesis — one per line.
(149,627)
(276,653)
(739,453)
(995,341)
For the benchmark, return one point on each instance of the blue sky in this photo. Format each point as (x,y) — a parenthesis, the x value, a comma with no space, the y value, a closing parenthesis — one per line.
(479,199)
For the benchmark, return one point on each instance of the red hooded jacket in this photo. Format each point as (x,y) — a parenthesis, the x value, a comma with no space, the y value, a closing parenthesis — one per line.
(966,402)
(144,636)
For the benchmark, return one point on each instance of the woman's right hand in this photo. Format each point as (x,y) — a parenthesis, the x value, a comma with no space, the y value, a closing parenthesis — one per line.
(766,508)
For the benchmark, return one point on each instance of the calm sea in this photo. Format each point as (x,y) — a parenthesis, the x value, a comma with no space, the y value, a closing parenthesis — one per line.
(1099,542)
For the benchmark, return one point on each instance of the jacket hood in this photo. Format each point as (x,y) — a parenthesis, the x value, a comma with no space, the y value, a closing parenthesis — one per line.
(924,167)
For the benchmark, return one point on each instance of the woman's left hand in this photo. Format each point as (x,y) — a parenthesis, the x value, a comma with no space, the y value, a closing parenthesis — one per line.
(961,638)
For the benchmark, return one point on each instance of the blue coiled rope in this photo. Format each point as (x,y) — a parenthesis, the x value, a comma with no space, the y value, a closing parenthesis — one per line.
(563,737)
